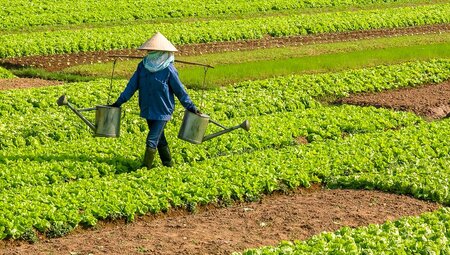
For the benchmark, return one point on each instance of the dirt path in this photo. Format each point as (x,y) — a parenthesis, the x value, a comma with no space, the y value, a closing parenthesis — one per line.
(300,215)
(431,101)
(23,83)
(58,62)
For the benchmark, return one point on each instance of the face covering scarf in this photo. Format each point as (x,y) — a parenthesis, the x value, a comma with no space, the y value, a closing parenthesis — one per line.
(158,60)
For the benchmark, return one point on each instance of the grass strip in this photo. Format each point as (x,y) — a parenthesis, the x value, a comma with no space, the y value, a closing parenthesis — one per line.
(229,74)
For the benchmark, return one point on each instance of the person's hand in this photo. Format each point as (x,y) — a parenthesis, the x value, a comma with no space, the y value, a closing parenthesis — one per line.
(115,104)
(196,111)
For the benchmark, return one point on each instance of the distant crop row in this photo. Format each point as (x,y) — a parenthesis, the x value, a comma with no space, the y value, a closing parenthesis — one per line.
(59,184)
(123,37)
(50,13)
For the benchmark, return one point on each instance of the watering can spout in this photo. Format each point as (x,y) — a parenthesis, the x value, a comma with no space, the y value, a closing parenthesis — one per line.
(244,125)
(62,100)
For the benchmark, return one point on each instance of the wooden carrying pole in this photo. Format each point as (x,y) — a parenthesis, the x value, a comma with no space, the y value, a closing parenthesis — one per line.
(176,60)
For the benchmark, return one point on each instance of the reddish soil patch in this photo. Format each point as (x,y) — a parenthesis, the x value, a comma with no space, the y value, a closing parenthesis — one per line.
(301,140)
(21,83)
(300,215)
(430,101)
(58,62)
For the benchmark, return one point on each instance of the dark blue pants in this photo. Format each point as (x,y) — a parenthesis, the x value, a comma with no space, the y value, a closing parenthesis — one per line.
(156,137)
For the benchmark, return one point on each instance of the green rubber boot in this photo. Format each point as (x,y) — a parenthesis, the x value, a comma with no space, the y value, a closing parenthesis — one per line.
(164,154)
(149,156)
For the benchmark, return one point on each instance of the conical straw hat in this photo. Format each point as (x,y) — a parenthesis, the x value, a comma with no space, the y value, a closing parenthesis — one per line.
(158,42)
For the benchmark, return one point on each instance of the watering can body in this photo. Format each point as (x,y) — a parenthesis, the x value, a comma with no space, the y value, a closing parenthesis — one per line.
(193,128)
(107,121)
(107,118)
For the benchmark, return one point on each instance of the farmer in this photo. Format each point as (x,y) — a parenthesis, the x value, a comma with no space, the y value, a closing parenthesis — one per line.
(157,81)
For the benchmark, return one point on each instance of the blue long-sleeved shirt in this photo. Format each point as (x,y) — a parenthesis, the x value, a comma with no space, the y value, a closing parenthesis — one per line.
(156,92)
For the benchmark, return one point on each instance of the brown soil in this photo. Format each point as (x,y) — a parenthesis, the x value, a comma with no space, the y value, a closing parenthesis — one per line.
(301,140)
(431,101)
(58,62)
(300,215)
(21,83)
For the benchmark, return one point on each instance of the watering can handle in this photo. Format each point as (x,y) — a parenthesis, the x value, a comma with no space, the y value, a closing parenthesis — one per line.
(87,109)
(217,124)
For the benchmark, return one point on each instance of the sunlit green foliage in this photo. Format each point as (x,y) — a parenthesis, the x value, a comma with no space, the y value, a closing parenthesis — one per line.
(132,36)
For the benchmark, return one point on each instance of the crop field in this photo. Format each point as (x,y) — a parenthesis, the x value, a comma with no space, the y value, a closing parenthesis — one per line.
(313,126)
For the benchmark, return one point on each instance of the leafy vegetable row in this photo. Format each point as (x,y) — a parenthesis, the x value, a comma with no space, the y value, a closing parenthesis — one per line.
(74,160)
(25,109)
(131,36)
(426,234)
(70,12)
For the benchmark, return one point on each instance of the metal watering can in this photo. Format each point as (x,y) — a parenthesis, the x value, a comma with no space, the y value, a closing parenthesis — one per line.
(107,118)
(194,126)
